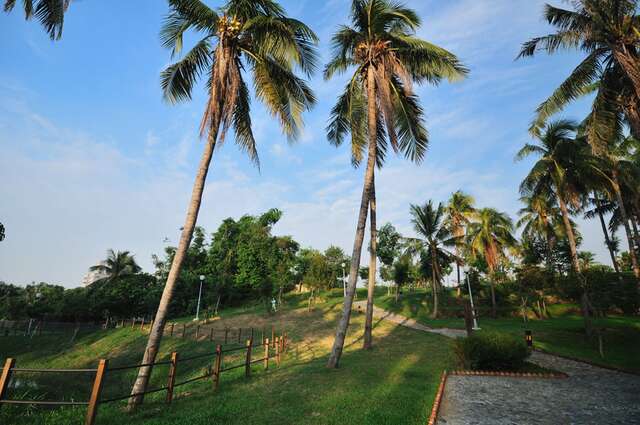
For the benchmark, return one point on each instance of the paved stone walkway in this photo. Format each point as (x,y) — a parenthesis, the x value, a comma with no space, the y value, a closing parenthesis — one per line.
(379,313)
(591,395)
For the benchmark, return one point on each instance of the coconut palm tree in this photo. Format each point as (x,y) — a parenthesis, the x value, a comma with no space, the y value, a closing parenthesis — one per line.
(561,171)
(255,37)
(541,217)
(459,211)
(600,208)
(489,236)
(434,237)
(50,13)
(117,265)
(608,32)
(379,108)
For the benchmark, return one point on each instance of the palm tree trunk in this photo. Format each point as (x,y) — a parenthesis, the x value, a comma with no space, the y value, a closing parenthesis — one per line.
(458,272)
(607,240)
(155,335)
(343,324)
(629,64)
(434,280)
(492,286)
(627,229)
(632,112)
(584,299)
(368,325)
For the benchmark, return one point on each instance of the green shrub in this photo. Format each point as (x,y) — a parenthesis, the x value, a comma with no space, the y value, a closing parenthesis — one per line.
(491,351)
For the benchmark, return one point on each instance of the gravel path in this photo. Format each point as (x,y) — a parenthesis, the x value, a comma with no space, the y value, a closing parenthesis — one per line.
(591,395)
(379,313)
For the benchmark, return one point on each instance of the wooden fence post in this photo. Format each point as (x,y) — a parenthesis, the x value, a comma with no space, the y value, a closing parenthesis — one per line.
(172,376)
(273,335)
(211,335)
(251,337)
(226,334)
(197,331)
(247,362)
(262,335)
(184,330)
(266,353)
(172,326)
(94,401)
(239,335)
(277,344)
(216,368)
(6,375)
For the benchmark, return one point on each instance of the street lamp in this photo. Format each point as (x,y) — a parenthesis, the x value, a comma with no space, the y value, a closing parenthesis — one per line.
(473,310)
(199,297)
(344,280)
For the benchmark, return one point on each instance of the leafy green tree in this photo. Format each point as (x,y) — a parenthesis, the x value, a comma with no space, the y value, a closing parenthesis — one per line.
(389,244)
(434,237)
(607,32)
(50,13)
(379,108)
(117,265)
(248,37)
(489,237)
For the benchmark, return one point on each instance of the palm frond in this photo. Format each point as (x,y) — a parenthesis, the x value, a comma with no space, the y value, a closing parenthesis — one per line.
(177,80)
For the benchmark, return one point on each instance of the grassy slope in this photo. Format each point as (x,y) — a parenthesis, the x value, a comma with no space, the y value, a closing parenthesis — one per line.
(563,334)
(394,383)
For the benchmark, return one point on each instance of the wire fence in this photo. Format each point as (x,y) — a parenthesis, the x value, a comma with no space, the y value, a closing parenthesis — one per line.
(106,385)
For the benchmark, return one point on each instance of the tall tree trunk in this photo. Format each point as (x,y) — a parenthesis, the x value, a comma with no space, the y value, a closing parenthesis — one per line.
(630,64)
(492,286)
(434,279)
(575,264)
(627,229)
(343,324)
(632,112)
(368,325)
(458,271)
(155,335)
(607,240)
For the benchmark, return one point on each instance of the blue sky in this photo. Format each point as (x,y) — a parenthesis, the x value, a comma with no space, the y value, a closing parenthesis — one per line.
(91,158)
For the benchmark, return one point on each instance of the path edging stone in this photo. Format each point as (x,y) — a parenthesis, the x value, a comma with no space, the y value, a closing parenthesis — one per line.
(435,409)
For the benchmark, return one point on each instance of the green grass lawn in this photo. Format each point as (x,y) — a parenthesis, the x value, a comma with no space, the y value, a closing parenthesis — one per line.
(563,334)
(395,383)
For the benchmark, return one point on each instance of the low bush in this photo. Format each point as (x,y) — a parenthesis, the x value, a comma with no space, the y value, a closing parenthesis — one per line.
(491,351)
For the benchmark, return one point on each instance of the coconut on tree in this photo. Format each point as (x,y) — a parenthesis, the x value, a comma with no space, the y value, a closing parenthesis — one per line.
(241,39)
(380,110)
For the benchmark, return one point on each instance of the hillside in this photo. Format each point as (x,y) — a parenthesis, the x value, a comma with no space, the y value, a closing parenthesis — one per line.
(392,384)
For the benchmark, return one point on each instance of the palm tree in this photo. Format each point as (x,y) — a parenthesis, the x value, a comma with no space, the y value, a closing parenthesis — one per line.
(50,13)
(459,211)
(488,237)
(434,236)
(560,172)
(608,32)
(600,208)
(255,37)
(117,265)
(1,232)
(541,217)
(379,108)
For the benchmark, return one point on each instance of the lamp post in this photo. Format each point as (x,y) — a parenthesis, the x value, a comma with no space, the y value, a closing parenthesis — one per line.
(473,310)
(344,280)
(199,297)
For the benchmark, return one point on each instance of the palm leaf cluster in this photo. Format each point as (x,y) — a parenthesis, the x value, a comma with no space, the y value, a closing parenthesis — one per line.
(50,13)
(382,38)
(245,37)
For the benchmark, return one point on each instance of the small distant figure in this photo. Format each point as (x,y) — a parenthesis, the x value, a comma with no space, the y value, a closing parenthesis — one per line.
(273,304)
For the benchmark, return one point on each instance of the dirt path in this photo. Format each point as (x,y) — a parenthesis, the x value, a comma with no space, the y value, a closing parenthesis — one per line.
(591,395)
(379,313)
